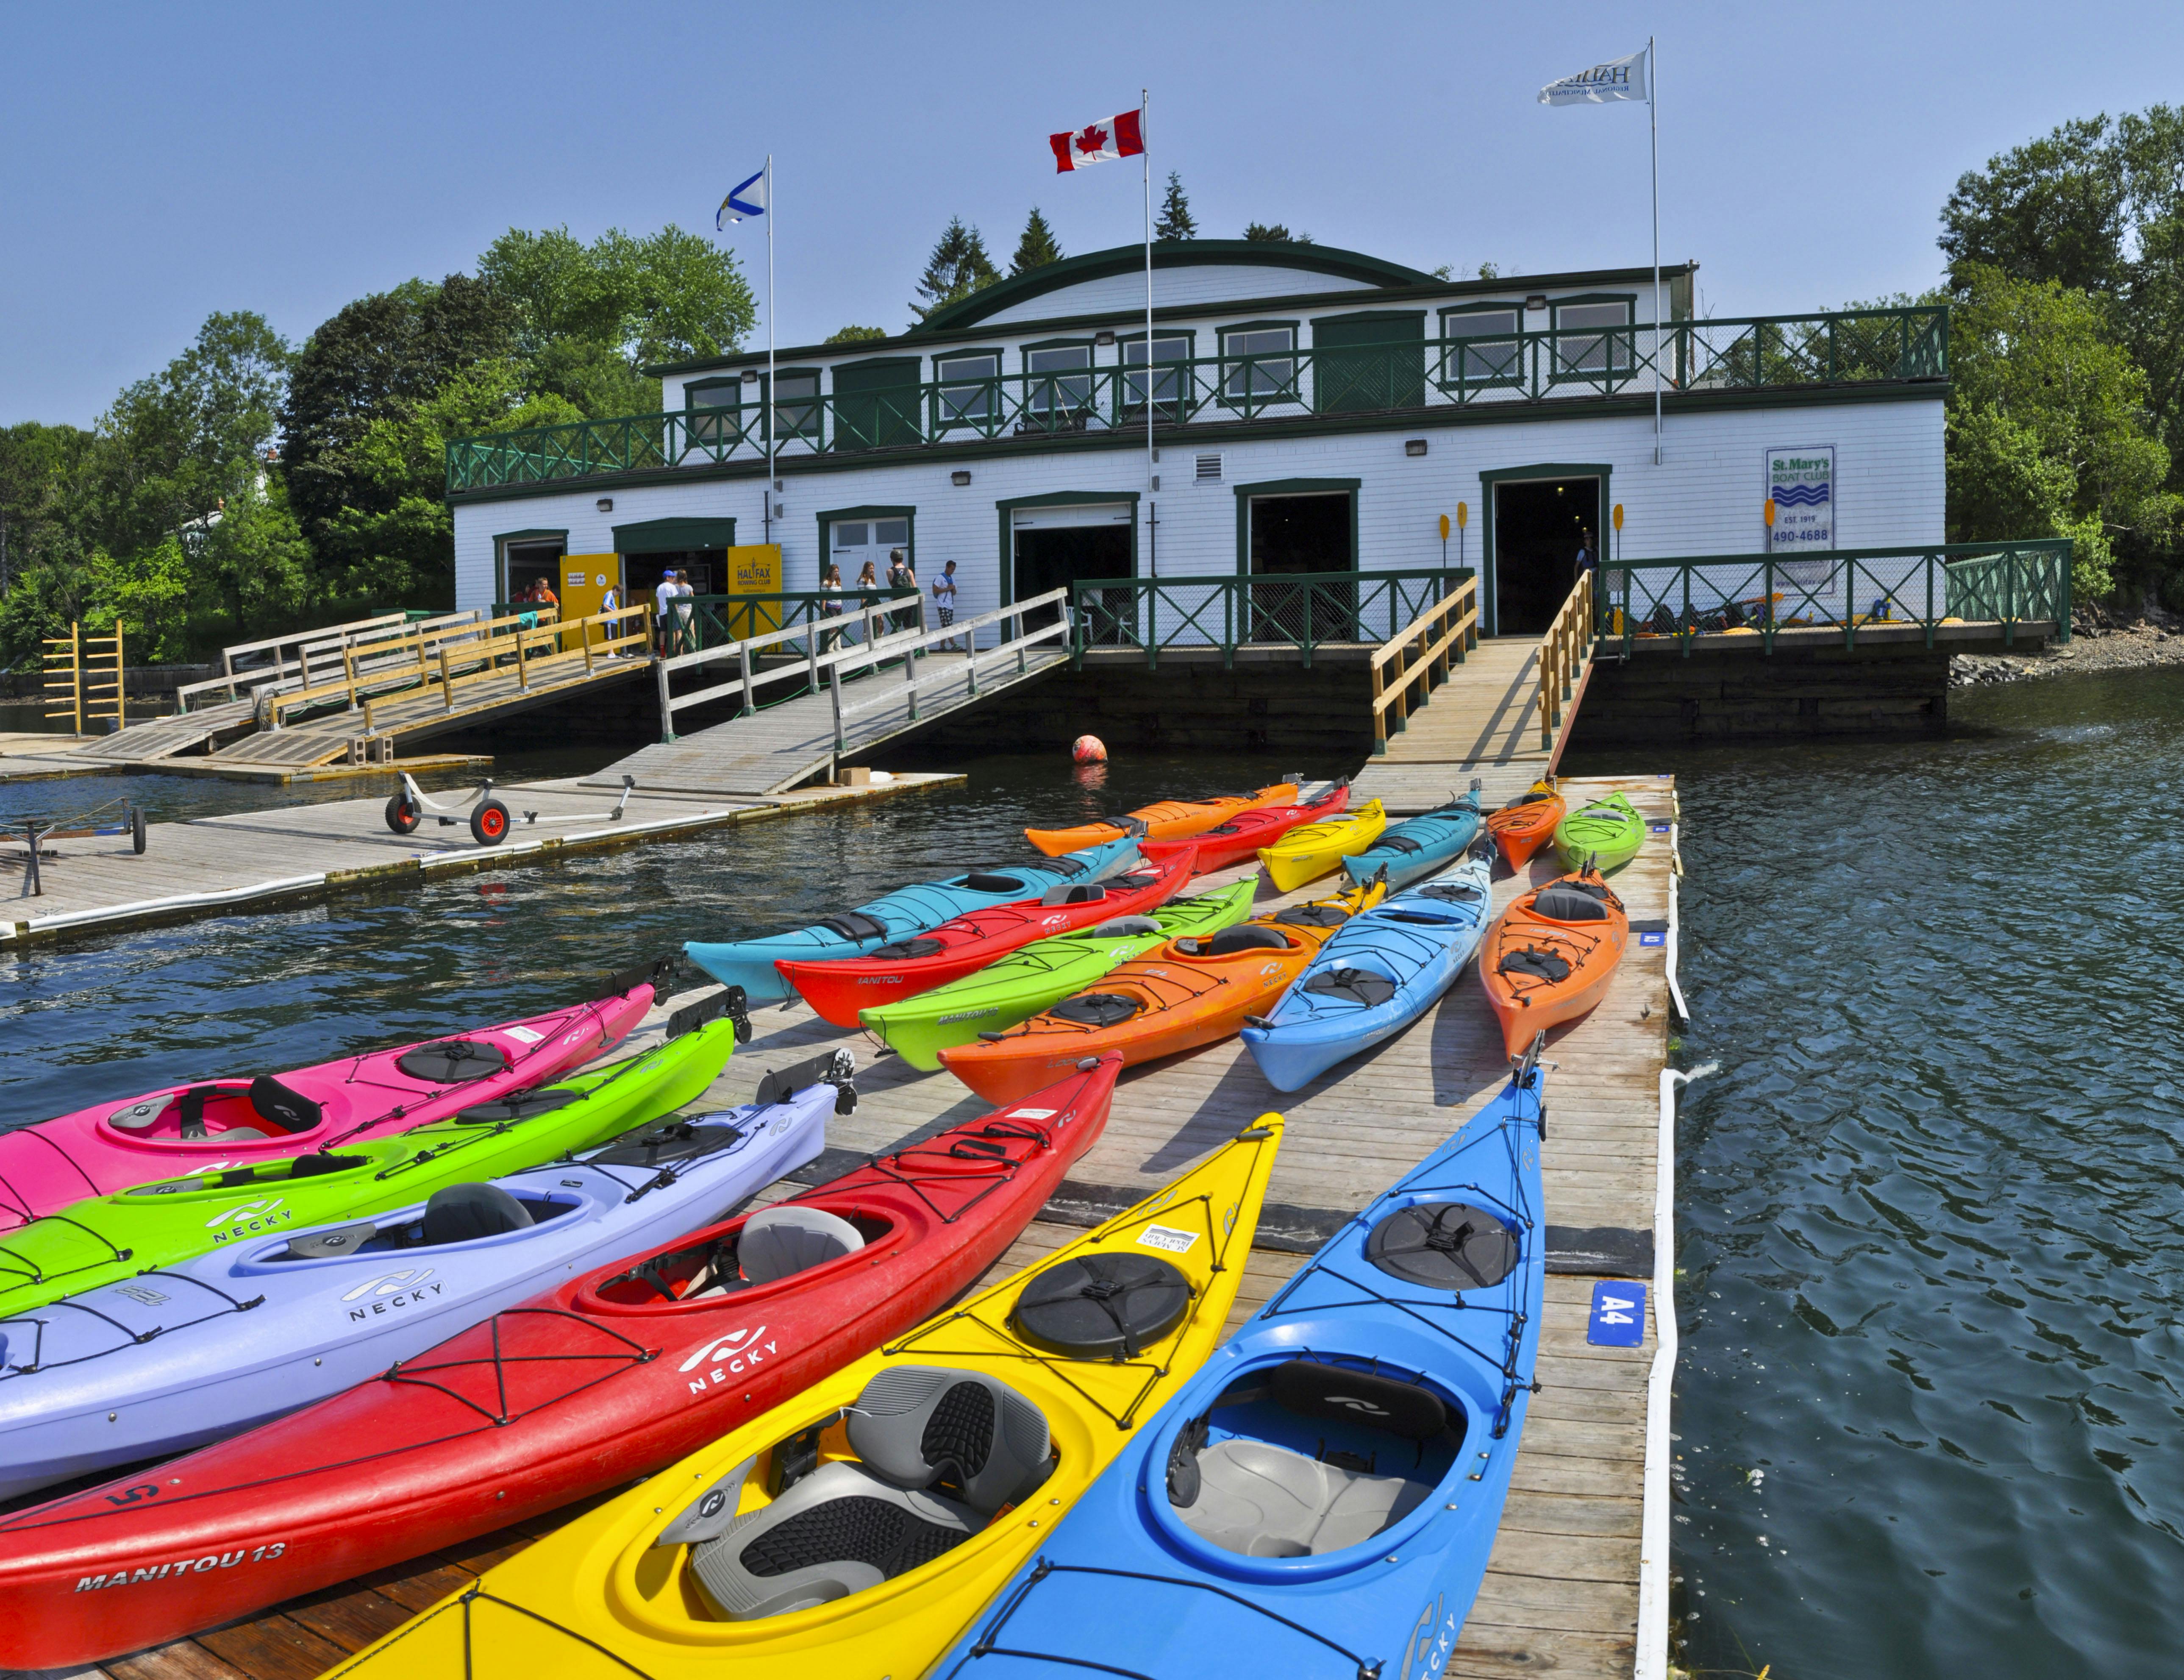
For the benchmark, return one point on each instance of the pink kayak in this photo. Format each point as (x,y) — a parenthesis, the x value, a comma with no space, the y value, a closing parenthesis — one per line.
(235,1122)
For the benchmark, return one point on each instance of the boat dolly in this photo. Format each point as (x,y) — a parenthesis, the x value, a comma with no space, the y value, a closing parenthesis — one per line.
(488,815)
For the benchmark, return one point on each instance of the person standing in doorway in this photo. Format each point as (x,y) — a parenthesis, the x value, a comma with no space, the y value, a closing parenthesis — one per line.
(610,602)
(685,613)
(944,599)
(662,615)
(867,585)
(900,577)
(1587,559)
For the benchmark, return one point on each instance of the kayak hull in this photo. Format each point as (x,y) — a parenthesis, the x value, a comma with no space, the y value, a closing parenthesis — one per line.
(1526,823)
(1316,849)
(903,914)
(1527,1003)
(115,1145)
(1169,820)
(301,1506)
(1241,836)
(1606,833)
(1023,983)
(1419,846)
(1416,943)
(1145,1575)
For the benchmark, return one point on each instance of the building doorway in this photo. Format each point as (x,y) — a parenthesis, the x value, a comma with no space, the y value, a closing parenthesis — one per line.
(1295,533)
(1539,525)
(527,565)
(1052,548)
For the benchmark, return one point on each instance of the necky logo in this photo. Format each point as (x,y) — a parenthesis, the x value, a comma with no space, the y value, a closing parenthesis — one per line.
(734,1354)
(244,1210)
(395,1283)
(1358,1405)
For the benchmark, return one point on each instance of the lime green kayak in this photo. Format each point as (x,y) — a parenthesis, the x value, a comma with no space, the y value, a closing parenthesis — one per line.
(1606,833)
(1038,976)
(108,1239)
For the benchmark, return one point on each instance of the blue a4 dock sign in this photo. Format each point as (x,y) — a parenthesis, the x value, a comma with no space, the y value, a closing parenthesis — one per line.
(1619,1315)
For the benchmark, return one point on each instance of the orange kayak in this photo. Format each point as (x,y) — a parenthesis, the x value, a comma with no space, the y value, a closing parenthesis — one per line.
(1551,957)
(1175,997)
(1526,822)
(1170,820)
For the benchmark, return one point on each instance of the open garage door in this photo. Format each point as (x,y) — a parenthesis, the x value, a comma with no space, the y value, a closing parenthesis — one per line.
(1054,547)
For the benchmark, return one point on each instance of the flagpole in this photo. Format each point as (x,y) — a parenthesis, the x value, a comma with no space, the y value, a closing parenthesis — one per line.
(1653,118)
(766,507)
(1152,455)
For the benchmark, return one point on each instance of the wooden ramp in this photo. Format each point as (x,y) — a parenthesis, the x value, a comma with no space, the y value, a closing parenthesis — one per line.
(1561,1595)
(775,748)
(164,737)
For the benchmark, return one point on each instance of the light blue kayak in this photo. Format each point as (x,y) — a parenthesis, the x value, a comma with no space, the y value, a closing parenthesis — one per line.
(1383,969)
(1414,849)
(902,914)
(1319,1502)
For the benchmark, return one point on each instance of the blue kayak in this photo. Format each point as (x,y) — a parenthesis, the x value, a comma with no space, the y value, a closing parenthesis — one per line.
(1414,849)
(1383,969)
(183,1355)
(1319,1502)
(902,914)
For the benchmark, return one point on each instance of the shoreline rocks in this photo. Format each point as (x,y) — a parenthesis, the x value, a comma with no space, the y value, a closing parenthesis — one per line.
(2099,643)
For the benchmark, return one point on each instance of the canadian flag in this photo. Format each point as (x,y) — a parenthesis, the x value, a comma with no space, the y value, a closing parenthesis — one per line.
(1097,141)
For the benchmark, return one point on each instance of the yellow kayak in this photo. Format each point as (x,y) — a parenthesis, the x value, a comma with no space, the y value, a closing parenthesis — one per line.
(855,1530)
(1318,848)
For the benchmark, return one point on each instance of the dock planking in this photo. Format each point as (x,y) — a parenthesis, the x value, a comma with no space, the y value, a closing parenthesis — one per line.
(1561,1592)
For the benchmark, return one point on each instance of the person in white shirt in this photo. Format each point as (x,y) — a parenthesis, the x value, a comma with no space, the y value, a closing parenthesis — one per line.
(944,599)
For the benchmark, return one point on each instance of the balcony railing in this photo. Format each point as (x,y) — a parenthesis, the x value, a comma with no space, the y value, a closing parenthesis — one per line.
(1293,611)
(1768,353)
(1854,591)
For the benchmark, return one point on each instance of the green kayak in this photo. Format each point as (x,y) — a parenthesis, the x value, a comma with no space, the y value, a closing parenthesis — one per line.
(1606,833)
(1024,982)
(108,1239)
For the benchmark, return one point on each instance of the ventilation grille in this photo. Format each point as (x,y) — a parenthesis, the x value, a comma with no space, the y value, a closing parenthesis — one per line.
(1209,469)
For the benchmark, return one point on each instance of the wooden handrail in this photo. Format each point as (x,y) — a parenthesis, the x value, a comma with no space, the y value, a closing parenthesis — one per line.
(370,634)
(1562,648)
(1419,654)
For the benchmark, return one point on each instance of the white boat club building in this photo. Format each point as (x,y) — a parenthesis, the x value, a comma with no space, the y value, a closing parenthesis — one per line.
(1313,409)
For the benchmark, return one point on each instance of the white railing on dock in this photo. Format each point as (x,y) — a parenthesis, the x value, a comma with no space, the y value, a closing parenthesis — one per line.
(311,651)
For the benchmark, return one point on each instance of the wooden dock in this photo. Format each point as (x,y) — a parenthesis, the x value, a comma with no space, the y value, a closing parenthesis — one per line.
(1562,1594)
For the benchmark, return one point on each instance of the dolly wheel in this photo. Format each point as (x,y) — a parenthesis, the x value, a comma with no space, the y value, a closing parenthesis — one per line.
(489,823)
(402,817)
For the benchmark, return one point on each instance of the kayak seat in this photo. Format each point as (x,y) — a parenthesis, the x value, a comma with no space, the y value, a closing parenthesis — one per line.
(462,1213)
(847,1526)
(1123,926)
(853,924)
(455,1061)
(1382,1445)
(1247,936)
(979,882)
(1080,892)
(1560,903)
(1356,985)
(289,1110)
(780,1242)
(904,950)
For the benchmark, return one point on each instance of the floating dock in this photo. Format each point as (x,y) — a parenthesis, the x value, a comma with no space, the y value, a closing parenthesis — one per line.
(1583,1536)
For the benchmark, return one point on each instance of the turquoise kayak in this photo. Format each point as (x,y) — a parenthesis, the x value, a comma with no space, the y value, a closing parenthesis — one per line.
(1421,845)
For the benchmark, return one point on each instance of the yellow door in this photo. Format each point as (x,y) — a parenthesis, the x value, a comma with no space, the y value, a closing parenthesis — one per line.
(754,569)
(585,580)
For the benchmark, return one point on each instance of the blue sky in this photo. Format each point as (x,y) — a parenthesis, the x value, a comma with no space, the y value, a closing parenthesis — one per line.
(159,163)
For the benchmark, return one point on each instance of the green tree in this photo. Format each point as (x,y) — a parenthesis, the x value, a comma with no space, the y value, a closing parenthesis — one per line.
(958,266)
(40,465)
(1256,231)
(2050,209)
(856,335)
(1037,248)
(2048,429)
(1176,220)
(658,297)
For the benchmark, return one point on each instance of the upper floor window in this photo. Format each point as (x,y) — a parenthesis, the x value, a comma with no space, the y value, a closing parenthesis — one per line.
(1166,381)
(714,393)
(795,404)
(1061,376)
(1259,362)
(967,383)
(1484,346)
(1589,352)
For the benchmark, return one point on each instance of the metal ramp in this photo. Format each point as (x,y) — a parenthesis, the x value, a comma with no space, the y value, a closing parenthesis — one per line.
(906,684)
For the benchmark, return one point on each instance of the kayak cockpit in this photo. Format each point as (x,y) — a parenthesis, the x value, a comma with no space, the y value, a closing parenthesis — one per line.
(286,1170)
(775,1243)
(222,1111)
(1309,1457)
(460,1213)
(926,1459)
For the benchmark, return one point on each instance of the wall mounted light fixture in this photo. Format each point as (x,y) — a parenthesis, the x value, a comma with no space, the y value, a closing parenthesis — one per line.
(1414,446)
(959,479)
(605,504)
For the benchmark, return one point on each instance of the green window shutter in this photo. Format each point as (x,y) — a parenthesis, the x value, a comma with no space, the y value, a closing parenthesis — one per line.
(1372,361)
(875,403)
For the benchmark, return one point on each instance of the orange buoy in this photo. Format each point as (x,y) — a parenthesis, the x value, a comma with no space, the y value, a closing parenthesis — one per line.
(1089,750)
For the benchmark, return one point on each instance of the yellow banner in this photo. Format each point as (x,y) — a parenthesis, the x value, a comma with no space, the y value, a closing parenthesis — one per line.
(754,569)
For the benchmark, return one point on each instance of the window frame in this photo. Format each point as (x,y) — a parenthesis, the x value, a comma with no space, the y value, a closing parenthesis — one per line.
(815,404)
(1040,414)
(1563,370)
(1249,366)
(1180,406)
(986,420)
(1459,381)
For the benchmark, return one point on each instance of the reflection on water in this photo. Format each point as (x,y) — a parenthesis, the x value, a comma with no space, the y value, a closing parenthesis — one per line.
(1930,1212)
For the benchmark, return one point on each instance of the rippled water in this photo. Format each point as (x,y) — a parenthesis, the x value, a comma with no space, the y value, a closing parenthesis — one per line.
(1930,1209)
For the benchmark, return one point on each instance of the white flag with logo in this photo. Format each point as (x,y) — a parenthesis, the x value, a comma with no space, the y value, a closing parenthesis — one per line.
(1603,84)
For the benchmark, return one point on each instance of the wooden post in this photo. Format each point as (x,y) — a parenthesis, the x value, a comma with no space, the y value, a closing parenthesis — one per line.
(349,671)
(667,705)
(750,674)
(75,680)
(522,668)
(446,679)
(834,688)
(586,627)
(227,668)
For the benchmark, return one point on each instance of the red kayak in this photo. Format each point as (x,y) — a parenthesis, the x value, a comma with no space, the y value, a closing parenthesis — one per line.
(840,988)
(609,1377)
(1240,837)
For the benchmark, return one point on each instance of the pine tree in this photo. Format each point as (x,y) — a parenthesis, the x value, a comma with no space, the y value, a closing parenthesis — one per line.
(1256,231)
(1037,248)
(1176,220)
(958,266)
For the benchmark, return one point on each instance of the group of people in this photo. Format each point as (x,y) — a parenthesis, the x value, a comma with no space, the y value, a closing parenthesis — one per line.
(673,618)
(901,575)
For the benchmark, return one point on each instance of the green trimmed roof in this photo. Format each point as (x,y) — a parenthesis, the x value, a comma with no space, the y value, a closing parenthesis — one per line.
(1167,254)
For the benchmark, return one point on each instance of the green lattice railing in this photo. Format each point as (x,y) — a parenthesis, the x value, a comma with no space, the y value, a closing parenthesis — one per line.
(1300,610)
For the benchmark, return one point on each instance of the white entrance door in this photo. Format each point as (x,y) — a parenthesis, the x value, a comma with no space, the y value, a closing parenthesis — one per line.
(855,541)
